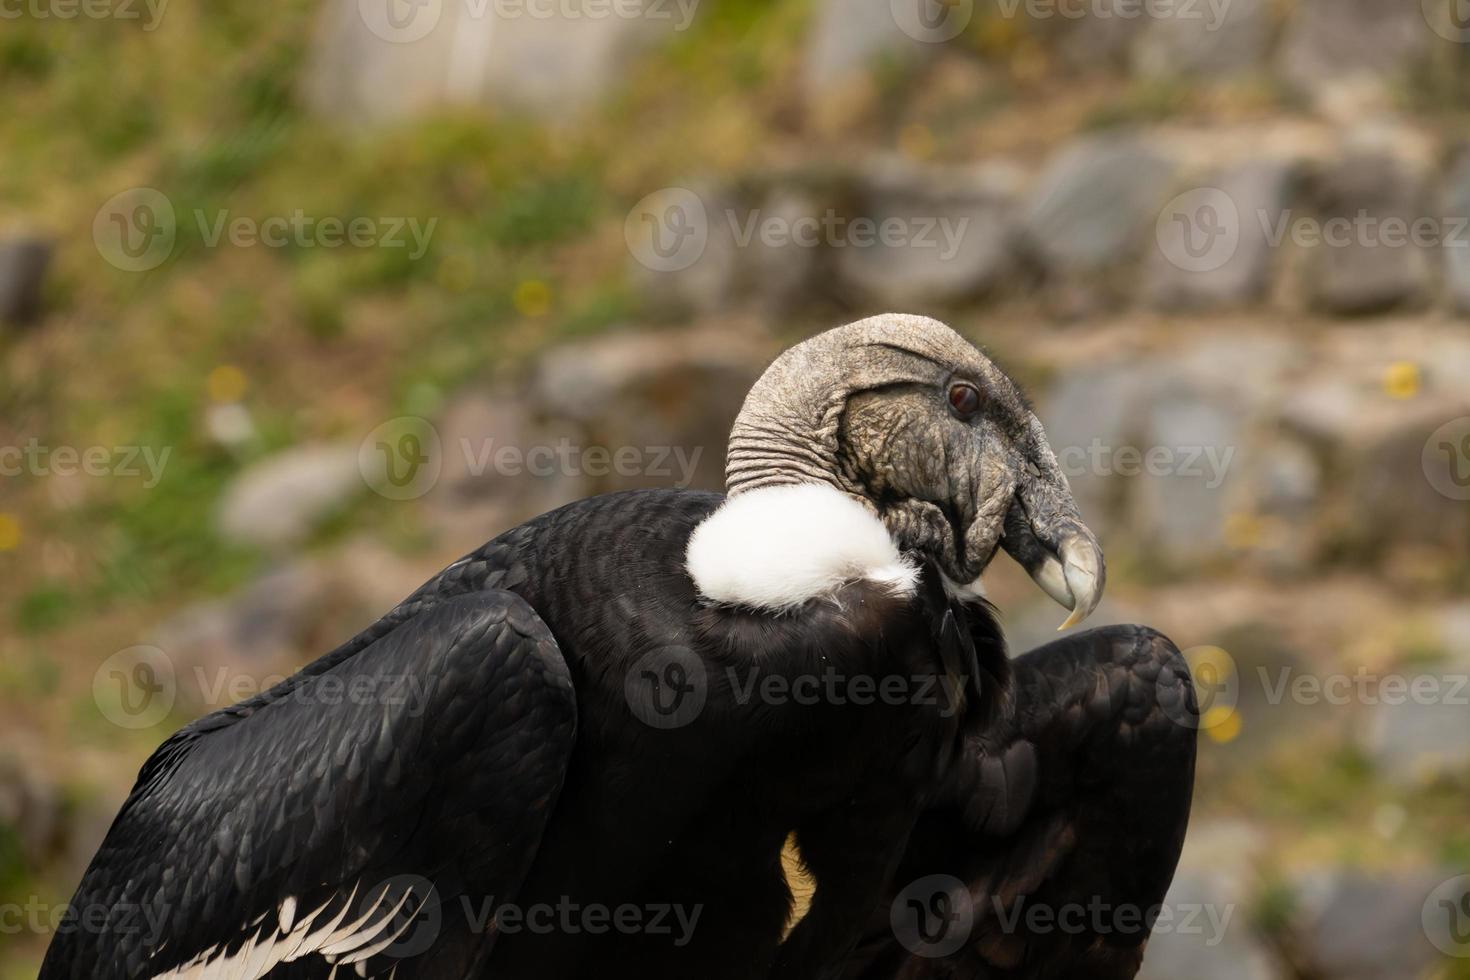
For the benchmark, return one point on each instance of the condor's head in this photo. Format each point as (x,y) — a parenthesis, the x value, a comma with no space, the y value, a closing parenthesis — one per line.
(908,418)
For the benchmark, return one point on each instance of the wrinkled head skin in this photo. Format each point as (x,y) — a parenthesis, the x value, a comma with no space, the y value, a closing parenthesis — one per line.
(880,410)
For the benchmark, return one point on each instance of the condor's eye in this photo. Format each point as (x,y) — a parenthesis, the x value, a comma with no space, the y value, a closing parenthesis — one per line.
(964,400)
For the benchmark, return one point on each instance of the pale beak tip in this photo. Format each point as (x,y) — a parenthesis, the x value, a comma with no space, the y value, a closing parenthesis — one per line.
(1078,615)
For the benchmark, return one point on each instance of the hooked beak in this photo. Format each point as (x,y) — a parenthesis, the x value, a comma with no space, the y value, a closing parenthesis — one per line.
(1044,533)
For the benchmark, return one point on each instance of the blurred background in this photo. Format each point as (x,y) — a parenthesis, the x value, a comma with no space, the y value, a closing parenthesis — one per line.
(301,299)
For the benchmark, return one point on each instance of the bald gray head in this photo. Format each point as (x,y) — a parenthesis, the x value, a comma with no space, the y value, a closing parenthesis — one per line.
(909,418)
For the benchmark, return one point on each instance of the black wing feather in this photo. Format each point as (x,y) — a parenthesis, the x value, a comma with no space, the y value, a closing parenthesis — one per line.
(1074,799)
(432,751)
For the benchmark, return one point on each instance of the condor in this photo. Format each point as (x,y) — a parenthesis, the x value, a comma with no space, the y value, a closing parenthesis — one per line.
(562,742)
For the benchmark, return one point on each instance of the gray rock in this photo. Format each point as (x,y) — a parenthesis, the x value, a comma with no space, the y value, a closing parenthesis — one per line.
(1421,738)
(1330,42)
(644,410)
(1392,500)
(1454,633)
(1098,42)
(1091,206)
(23,265)
(958,232)
(227,649)
(1286,490)
(1375,266)
(780,275)
(278,501)
(1215,243)
(851,38)
(1356,926)
(1204,40)
(492,476)
(1208,934)
(551,59)
(1326,410)
(1181,504)
(1096,408)
(705,279)
(1457,252)
(30,810)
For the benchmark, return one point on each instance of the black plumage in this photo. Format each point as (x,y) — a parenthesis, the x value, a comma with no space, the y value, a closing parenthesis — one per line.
(580,750)
(1063,819)
(458,768)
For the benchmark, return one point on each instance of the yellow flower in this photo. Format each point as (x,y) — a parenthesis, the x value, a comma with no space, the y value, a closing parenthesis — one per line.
(1401,380)
(1221,724)
(533,298)
(9,532)
(226,384)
